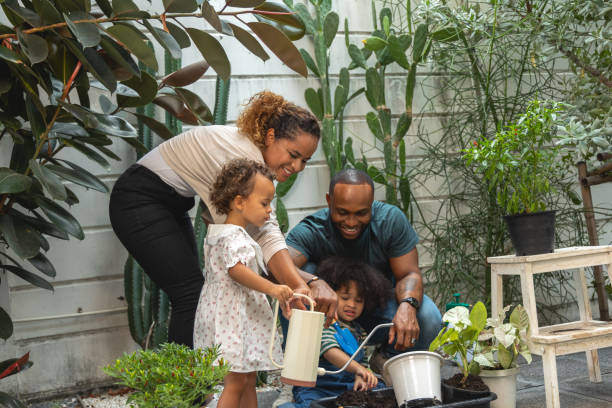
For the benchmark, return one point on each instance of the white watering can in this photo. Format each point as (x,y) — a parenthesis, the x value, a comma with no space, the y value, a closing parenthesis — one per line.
(300,365)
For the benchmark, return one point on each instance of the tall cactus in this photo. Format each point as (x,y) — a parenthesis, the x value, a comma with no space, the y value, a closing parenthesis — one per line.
(389,47)
(322,28)
(148,305)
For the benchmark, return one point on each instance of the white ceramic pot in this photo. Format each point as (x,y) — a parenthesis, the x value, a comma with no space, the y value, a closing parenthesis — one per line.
(502,383)
(414,375)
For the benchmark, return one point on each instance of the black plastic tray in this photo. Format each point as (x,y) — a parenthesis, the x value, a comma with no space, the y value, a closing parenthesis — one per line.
(330,402)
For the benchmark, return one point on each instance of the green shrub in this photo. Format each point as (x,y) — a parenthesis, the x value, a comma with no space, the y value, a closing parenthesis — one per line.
(171,376)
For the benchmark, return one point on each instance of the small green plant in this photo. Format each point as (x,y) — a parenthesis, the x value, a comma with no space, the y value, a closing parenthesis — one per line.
(460,335)
(518,161)
(172,376)
(500,344)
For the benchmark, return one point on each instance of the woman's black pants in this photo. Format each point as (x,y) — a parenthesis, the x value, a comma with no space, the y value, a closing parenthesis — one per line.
(150,218)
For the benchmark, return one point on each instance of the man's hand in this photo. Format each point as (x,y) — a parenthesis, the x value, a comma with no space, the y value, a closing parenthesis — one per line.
(326,298)
(405,327)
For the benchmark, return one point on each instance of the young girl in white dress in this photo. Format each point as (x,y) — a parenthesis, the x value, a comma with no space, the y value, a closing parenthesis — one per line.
(233,310)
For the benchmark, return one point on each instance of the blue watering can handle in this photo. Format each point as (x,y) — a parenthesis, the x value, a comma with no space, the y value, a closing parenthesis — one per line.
(271,346)
(362,345)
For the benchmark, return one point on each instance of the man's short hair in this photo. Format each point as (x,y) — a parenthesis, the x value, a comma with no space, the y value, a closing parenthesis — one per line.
(350,176)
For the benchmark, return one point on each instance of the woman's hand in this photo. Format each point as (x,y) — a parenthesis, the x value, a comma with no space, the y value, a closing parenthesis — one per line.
(364,379)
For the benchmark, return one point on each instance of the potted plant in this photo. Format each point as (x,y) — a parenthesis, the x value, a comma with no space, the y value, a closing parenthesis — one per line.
(517,164)
(172,376)
(497,351)
(455,341)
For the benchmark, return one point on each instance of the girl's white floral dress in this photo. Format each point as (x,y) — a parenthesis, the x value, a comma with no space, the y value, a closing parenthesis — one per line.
(229,314)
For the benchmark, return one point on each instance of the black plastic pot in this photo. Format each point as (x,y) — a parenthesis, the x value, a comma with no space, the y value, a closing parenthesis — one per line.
(478,399)
(483,401)
(532,233)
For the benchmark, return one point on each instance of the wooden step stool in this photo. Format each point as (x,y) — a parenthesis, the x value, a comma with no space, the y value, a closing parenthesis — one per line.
(584,335)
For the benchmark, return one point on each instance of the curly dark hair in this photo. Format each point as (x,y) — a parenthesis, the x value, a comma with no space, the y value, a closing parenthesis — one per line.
(236,178)
(372,286)
(267,110)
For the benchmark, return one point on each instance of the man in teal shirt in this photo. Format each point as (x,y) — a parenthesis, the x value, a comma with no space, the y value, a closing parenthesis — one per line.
(356,226)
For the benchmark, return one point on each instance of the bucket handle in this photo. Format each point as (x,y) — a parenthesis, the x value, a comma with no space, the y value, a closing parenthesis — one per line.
(271,346)
(362,345)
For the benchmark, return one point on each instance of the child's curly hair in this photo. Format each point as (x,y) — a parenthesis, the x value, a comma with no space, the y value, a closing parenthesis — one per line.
(372,286)
(267,110)
(236,178)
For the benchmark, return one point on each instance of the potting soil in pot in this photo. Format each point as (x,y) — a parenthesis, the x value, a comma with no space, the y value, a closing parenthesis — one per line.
(473,382)
(366,399)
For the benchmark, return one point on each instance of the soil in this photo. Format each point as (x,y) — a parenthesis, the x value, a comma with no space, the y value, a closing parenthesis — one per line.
(370,399)
(473,382)
(366,399)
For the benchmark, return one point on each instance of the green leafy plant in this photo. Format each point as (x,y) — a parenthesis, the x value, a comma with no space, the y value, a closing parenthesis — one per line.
(53,54)
(517,162)
(461,334)
(503,340)
(172,376)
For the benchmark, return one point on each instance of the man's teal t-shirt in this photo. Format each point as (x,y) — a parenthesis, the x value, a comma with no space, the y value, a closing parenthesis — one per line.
(388,235)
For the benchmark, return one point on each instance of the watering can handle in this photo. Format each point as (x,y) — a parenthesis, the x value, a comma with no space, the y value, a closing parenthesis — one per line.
(271,346)
(362,345)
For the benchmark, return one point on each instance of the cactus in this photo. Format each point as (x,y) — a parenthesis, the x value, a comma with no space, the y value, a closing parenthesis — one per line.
(389,47)
(322,28)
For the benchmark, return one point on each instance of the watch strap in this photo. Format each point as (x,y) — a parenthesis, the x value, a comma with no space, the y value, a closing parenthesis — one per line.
(414,302)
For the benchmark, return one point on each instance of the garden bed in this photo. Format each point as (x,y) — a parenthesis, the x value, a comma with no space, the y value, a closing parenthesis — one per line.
(385,398)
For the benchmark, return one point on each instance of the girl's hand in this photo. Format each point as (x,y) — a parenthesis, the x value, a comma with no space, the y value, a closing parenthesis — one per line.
(282,293)
(368,379)
(360,384)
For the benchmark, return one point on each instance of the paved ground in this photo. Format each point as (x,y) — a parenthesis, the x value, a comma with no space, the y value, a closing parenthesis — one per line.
(576,391)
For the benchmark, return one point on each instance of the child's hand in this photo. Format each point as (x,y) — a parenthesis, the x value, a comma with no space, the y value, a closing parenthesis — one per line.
(282,293)
(364,380)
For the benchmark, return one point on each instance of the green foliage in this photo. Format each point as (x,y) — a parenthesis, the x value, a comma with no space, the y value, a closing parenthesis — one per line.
(517,162)
(52,54)
(173,376)
(581,31)
(487,65)
(461,334)
(503,340)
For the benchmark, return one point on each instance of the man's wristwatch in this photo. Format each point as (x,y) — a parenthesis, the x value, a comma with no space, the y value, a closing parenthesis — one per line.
(412,301)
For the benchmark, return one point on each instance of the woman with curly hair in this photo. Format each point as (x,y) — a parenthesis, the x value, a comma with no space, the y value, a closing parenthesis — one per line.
(150,201)
(359,288)
(233,310)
